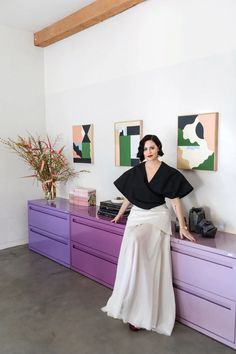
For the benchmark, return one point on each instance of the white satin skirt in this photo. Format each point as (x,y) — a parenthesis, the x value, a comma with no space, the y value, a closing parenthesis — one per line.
(143,292)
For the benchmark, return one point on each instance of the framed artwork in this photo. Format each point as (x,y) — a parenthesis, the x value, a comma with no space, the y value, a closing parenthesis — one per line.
(127,137)
(83,143)
(197,141)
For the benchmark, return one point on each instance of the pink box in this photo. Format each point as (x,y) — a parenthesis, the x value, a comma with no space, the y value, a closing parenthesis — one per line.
(83,196)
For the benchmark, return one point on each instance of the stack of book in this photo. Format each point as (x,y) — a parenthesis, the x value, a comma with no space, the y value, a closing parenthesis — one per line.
(110,209)
(83,196)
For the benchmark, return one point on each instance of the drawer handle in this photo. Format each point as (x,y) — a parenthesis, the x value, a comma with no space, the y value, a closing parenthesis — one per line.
(52,237)
(93,254)
(196,294)
(44,212)
(95,227)
(195,255)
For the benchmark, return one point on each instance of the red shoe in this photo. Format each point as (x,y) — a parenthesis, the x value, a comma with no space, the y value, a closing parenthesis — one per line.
(133,328)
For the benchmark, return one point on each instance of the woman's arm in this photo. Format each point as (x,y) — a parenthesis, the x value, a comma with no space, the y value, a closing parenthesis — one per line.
(123,208)
(183,230)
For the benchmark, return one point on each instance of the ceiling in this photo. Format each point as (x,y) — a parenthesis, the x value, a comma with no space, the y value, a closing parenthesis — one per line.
(34,15)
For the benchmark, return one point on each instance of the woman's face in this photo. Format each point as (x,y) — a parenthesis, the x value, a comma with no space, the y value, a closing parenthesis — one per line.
(150,150)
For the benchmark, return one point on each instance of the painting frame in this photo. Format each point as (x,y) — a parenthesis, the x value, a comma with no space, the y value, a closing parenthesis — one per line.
(83,143)
(197,141)
(127,137)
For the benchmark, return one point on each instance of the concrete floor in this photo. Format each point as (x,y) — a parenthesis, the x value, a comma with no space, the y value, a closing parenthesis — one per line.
(46,308)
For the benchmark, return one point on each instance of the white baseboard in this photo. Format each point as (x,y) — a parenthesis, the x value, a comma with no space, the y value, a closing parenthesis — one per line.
(13,244)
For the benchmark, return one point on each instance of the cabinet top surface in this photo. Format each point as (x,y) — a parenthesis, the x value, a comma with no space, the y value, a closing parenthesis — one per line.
(224,243)
(63,205)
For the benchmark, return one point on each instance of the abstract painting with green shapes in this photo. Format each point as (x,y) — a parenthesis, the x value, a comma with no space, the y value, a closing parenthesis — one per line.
(83,143)
(197,141)
(127,137)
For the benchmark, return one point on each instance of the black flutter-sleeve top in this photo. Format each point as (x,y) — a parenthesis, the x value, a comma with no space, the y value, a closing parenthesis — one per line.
(166,183)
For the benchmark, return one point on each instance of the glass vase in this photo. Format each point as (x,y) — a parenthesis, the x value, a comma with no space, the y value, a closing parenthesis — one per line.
(49,191)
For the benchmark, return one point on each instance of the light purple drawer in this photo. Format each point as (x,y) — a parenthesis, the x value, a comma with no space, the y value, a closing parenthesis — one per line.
(209,314)
(52,246)
(99,237)
(49,220)
(92,266)
(205,270)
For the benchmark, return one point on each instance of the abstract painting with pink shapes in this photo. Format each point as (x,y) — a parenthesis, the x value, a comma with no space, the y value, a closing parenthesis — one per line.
(83,143)
(197,141)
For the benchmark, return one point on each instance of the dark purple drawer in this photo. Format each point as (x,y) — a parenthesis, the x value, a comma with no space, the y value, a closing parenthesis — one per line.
(206,312)
(52,246)
(92,266)
(99,237)
(49,220)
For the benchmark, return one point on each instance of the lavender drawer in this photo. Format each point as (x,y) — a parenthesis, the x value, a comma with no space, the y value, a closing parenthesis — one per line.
(49,220)
(205,270)
(206,313)
(93,266)
(54,247)
(102,238)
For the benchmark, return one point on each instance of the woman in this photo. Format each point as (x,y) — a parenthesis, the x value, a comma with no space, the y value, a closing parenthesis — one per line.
(143,293)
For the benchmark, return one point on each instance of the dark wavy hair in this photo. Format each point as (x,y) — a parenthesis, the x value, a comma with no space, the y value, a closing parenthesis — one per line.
(142,142)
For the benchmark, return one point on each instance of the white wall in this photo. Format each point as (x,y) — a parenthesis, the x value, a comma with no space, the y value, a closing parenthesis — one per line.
(158,60)
(22,110)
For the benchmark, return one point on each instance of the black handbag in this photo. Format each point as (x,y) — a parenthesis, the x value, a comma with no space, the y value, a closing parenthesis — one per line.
(195,216)
(207,228)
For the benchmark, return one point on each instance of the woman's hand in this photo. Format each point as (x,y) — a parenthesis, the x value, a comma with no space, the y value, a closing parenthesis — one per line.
(185,233)
(116,218)
(183,230)
(123,208)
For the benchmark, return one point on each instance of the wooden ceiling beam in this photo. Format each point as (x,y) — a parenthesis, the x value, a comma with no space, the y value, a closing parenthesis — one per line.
(88,16)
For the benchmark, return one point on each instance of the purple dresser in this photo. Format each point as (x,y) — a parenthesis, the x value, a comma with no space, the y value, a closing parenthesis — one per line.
(49,229)
(75,237)
(95,246)
(204,277)
(204,273)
